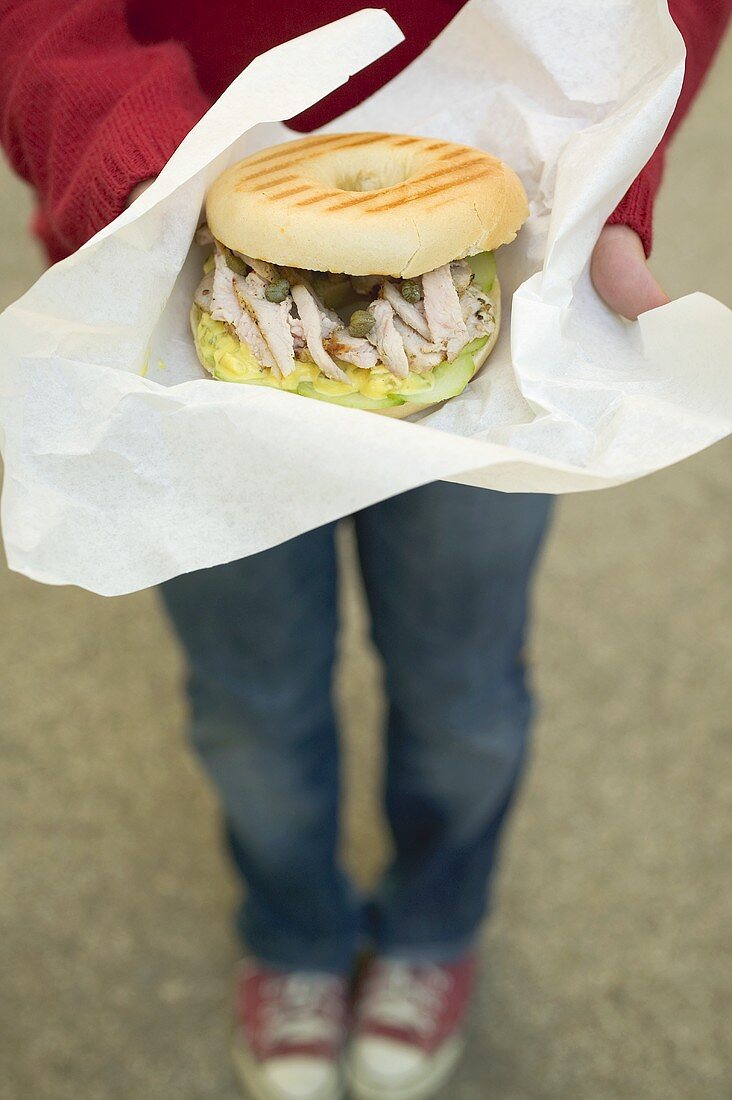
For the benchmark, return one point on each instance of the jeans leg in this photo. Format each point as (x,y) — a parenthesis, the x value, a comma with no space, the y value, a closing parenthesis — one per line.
(260,636)
(447,569)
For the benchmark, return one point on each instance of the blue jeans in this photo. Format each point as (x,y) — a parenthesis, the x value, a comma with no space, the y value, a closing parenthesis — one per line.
(446,570)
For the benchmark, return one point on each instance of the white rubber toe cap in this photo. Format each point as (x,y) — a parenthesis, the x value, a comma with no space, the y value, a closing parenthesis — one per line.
(379,1060)
(295,1078)
(385,1069)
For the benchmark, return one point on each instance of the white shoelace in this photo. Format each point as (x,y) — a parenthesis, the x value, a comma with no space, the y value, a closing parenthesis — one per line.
(303,1008)
(405,997)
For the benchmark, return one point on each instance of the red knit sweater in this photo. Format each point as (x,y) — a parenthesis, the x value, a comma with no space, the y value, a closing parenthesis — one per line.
(96,94)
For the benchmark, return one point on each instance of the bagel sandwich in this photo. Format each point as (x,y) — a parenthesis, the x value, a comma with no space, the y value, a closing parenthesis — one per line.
(356,269)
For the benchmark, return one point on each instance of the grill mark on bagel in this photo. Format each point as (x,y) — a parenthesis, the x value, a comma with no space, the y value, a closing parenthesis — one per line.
(352,141)
(455,153)
(359,197)
(265,172)
(345,141)
(387,192)
(269,184)
(429,192)
(244,184)
(292,191)
(374,198)
(286,150)
(313,198)
(444,171)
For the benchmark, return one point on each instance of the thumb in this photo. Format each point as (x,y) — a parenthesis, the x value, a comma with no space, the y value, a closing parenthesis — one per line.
(136,191)
(621,275)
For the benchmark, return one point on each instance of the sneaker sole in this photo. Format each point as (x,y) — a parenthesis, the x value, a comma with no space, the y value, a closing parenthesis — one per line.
(250,1078)
(440,1069)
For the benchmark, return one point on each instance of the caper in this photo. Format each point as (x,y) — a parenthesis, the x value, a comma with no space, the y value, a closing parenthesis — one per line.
(277,292)
(361,322)
(235,263)
(411,291)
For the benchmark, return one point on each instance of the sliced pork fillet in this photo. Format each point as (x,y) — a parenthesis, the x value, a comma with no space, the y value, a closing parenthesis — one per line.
(411,314)
(462,275)
(297,330)
(248,332)
(225,306)
(473,299)
(272,320)
(311,323)
(478,312)
(263,268)
(202,297)
(352,349)
(422,356)
(388,341)
(329,320)
(442,310)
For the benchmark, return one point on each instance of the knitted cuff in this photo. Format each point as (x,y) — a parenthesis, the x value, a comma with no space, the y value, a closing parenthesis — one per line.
(139,154)
(132,145)
(635,210)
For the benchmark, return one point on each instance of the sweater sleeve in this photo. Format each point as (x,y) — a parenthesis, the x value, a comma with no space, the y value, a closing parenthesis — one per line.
(87,112)
(702,24)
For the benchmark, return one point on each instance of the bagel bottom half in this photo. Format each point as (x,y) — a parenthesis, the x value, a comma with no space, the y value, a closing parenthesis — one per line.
(406,407)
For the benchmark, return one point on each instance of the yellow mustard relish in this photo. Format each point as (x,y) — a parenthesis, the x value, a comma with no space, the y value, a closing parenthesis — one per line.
(230,360)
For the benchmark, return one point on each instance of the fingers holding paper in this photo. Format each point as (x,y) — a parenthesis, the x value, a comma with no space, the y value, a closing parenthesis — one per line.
(621,275)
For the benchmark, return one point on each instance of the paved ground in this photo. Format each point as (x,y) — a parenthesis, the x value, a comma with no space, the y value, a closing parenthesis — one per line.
(607,966)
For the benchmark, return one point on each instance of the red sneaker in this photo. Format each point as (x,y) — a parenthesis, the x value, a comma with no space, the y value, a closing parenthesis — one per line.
(290,1031)
(409,1028)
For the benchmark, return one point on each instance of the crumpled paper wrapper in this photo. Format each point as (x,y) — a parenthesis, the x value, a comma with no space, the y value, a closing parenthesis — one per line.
(126,466)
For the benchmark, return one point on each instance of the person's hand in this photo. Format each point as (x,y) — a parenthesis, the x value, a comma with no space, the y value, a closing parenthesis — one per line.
(137,191)
(621,275)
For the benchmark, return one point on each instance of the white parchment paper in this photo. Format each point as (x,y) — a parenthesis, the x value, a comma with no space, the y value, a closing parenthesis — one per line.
(124,465)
